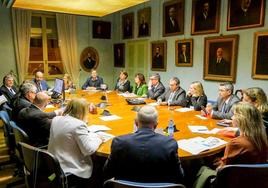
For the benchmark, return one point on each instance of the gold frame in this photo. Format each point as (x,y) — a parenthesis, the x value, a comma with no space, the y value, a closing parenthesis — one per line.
(163,52)
(189,51)
(179,6)
(257,56)
(196,14)
(83,57)
(229,45)
(234,10)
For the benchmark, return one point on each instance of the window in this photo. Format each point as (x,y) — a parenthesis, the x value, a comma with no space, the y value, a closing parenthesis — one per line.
(44,47)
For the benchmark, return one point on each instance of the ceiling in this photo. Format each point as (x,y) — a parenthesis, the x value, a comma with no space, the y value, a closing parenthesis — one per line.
(97,8)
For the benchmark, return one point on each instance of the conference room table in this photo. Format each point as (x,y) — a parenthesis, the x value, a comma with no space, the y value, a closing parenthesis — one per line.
(117,105)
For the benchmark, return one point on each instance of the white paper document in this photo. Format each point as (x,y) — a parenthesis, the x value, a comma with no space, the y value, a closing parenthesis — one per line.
(50,106)
(199,144)
(3,99)
(201,117)
(198,128)
(105,136)
(110,118)
(96,128)
(153,104)
(127,94)
(184,109)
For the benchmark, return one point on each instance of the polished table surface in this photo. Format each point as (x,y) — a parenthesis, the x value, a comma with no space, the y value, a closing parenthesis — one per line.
(118,106)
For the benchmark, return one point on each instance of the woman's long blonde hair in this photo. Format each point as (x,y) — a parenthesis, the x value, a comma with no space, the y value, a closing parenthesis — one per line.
(249,121)
(78,108)
(199,88)
(258,96)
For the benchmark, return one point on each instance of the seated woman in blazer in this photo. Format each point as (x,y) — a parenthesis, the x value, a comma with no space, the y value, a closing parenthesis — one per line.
(140,88)
(71,142)
(195,96)
(122,84)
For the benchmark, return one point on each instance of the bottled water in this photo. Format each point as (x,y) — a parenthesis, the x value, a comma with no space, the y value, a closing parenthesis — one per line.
(170,128)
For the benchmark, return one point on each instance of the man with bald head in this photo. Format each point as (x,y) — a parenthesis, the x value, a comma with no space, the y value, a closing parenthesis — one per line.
(35,122)
(39,81)
(144,156)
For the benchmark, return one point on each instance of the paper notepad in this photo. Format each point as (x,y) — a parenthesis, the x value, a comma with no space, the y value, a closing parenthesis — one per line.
(184,109)
(201,117)
(199,144)
(105,136)
(197,128)
(110,118)
(95,128)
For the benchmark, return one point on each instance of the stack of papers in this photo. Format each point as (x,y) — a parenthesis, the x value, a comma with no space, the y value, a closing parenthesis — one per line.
(201,117)
(184,109)
(98,130)
(198,144)
(110,118)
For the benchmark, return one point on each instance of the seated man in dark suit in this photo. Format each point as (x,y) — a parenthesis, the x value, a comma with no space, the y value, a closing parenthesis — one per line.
(175,95)
(8,89)
(144,156)
(157,88)
(222,109)
(39,81)
(23,99)
(93,82)
(35,122)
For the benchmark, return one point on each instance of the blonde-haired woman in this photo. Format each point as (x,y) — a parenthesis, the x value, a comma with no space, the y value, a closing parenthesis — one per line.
(251,146)
(258,98)
(196,97)
(68,84)
(71,142)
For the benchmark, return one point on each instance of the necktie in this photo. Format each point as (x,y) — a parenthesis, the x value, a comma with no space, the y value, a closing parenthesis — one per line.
(223,107)
(170,97)
(184,56)
(153,88)
(12,91)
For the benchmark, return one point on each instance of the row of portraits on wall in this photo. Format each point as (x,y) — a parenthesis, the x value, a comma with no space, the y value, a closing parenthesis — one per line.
(205,18)
(220,56)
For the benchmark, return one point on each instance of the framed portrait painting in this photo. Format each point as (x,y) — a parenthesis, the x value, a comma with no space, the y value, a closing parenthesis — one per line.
(159,55)
(260,56)
(119,55)
(128,25)
(205,16)
(245,14)
(184,53)
(220,58)
(89,59)
(144,22)
(101,29)
(173,17)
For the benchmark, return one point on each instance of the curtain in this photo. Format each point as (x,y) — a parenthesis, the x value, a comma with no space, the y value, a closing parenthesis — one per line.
(66,25)
(21,20)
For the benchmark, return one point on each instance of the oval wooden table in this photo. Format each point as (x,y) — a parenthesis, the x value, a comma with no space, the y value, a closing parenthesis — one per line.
(118,106)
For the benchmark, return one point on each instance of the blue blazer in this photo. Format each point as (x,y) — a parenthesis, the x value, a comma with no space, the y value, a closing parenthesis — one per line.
(90,83)
(44,85)
(144,156)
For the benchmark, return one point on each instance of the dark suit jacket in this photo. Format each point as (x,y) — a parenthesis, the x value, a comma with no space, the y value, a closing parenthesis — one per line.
(18,104)
(36,124)
(170,28)
(144,29)
(44,85)
(90,83)
(196,102)
(124,87)
(222,68)
(144,156)
(89,63)
(227,114)
(5,91)
(178,99)
(154,93)
(182,60)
